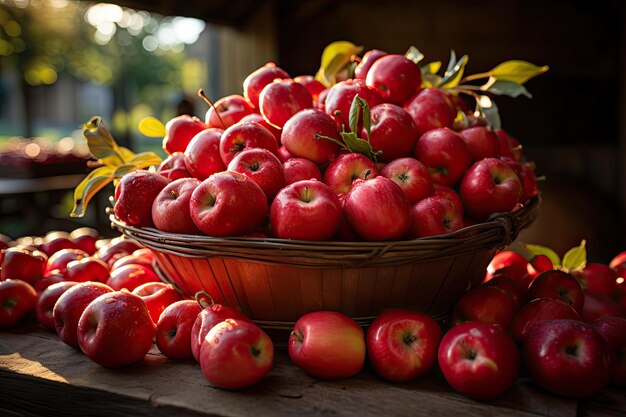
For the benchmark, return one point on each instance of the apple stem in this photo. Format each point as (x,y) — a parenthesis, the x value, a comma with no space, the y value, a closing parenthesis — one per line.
(210,103)
(201,298)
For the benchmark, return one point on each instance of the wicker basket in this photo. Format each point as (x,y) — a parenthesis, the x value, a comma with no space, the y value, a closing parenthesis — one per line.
(275,281)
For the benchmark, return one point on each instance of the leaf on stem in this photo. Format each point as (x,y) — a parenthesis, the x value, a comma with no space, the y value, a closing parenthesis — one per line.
(88,187)
(334,59)
(575,258)
(454,72)
(517,71)
(506,88)
(152,127)
(543,250)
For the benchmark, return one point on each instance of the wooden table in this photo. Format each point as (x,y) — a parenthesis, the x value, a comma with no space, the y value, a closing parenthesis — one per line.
(39,375)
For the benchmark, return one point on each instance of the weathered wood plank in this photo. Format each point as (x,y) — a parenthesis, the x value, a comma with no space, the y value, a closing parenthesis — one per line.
(39,374)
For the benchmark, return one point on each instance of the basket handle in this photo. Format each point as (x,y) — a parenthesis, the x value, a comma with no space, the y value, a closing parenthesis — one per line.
(510,227)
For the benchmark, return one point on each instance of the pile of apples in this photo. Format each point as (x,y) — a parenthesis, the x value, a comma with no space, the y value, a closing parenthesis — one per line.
(102,296)
(372,158)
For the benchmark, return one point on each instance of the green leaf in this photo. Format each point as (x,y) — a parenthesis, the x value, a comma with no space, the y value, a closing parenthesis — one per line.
(358,145)
(575,258)
(89,186)
(505,88)
(431,68)
(543,250)
(335,57)
(359,104)
(152,127)
(454,73)
(414,54)
(101,144)
(431,80)
(517,71)
(489,111)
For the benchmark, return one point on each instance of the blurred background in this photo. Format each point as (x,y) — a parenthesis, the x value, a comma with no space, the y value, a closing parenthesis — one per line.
(62,62)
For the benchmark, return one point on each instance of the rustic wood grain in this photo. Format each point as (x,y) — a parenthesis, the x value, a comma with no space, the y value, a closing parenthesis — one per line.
(39,375)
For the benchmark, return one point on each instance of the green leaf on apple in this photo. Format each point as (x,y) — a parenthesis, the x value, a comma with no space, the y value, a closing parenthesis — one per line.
(543,250)
(454,73)
(517,71)
(335,57)
(413,54)
(575,258)
(505,88)
(357,105)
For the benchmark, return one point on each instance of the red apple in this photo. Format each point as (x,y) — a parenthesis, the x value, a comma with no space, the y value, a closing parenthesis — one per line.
(173,330)
(59,260)
(431,109)
(445,154)
(70,306)
(536,311)
(56,241)
(257,118)
(157,296)
(478,360)
(170,209)
(46,301)
(510,263)
(485,304)
(305,210)
(211,315)
(327,345)
(298,169)
(52,277)
(173,167)
(313,86)
(490,186)
(377,209)
(281,99)
(371,56)
(567,358)
(115,329)
(434,216)
(228,204)
(559,285)
(412,176)
(85,239)
(613,331)
(28,265)
(392,132)
(87,269)
(509,146)
(134,259)
(256,81)
(134,195)
(17,302)
(130,277)
(236,354)
(179,132)
(343,170)
(597,278)
(402,344)
(449,193)
(202,156)
(396,78)
(341,95)
(618,259)
(245,135)
(299,136)
(228,111)
(597,306)
(516,289)
(117,248)
(482,142)
(261,166)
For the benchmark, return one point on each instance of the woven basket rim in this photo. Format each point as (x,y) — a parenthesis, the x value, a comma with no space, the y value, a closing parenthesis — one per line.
(498,231)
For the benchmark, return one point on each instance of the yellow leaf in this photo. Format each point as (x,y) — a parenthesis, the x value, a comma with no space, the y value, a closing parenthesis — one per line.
(334,58)
(152,127)
(433,67)
(517,71)
(89,186)
(453,76)
(575,258)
